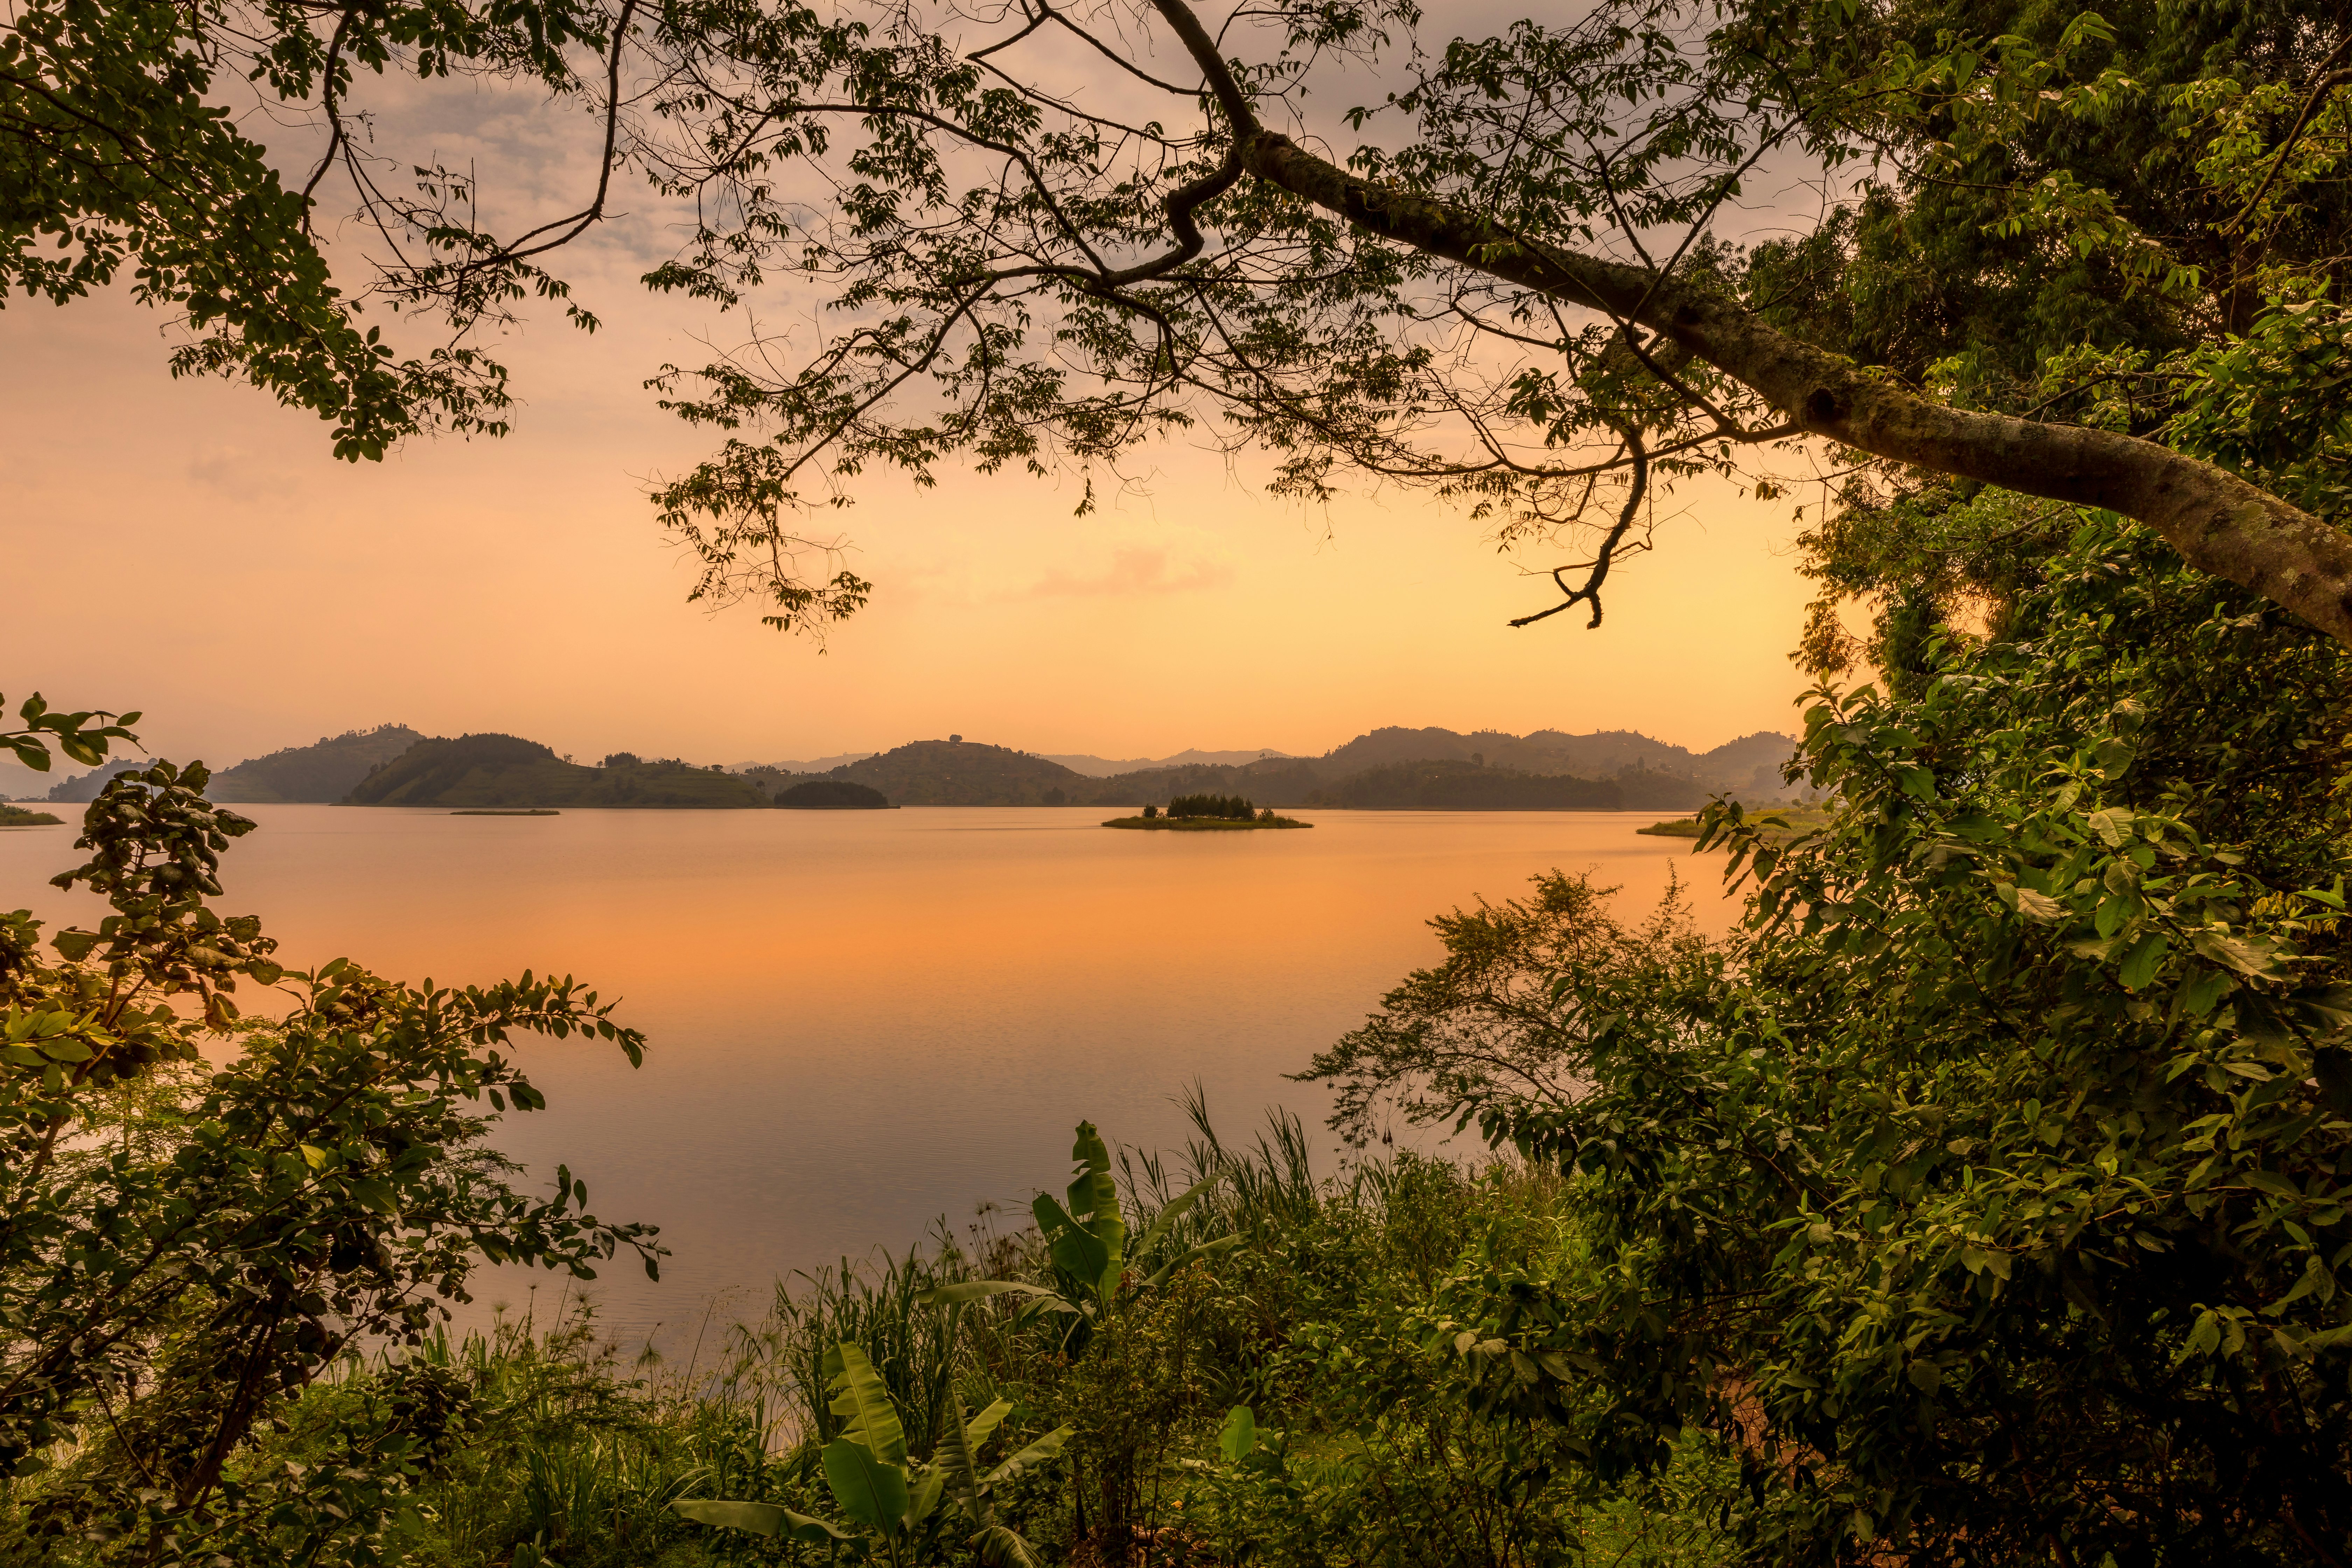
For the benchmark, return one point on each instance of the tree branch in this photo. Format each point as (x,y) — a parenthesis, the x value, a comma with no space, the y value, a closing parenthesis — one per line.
(2220,523)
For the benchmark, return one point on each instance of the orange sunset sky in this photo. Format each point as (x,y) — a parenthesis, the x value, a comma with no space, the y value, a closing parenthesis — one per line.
(191,548)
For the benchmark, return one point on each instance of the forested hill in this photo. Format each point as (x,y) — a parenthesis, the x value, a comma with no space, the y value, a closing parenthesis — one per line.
(1748,764)
(967,773)
(507,770)
(325,772)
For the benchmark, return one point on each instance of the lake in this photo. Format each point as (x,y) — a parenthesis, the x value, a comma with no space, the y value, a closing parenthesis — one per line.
(859,1022)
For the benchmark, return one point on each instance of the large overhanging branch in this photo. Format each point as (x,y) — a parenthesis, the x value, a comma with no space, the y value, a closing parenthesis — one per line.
(2220,522)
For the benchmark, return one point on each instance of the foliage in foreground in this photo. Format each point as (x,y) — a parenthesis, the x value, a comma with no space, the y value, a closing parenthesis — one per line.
(1989,1196)
(186,1242)
(523,1449)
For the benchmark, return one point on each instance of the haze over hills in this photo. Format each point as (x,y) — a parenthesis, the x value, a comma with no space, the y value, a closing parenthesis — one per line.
(1103,767)
(1386,769)
(323,772)
(813,766)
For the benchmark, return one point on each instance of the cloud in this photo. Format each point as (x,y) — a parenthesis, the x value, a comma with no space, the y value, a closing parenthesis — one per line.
(238,472)
(1133,573)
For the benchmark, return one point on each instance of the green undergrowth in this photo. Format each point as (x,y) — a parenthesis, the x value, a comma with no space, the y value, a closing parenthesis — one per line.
(1301,1306)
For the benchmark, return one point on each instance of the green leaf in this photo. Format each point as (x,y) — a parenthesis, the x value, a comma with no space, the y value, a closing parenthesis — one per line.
(926,1497)
(869,1490)
(1194,1254)
(2140,964)
(958,1456)
(1074,1249)
(2251,955)
(984,1425)
(1002,1548)
(1239,1436)
(1093,1200)
(1037,1453)
(863,1402)
(760,1518)
(2038,906)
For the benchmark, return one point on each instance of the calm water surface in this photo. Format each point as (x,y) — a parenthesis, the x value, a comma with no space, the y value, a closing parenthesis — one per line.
(862,1021)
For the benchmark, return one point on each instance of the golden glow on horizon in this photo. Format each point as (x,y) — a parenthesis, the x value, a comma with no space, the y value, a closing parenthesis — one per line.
(213,566)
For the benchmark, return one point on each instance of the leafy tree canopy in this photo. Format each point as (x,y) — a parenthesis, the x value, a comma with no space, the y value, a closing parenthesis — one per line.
(1989,1193)
(2090,258)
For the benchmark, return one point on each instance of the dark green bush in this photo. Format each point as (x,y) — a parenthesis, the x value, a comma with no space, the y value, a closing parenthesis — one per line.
(1229,807)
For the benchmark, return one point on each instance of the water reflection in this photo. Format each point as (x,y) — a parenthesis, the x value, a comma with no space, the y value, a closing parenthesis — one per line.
(860,1021)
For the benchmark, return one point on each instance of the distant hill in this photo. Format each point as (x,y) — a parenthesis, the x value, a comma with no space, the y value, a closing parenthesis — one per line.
(967,773)
(324,772)
(1103,767)
(84,787)
(507,770)
(1466,786)
(1749,766)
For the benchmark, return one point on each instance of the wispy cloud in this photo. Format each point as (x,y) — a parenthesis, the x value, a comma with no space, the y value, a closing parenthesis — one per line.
(235,471)
(1134,571)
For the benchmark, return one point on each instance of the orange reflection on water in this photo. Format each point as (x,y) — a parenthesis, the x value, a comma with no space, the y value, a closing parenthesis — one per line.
(860,1021)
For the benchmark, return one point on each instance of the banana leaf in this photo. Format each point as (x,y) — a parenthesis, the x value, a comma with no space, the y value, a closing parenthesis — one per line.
(1001,1548)
(1095,1196)
(869,1491)
(984,1425)
(760,1518)
(1075,1250)
(925,1497)
(1036,1453)
(1240,1436)
(958,1458)
(864,1405)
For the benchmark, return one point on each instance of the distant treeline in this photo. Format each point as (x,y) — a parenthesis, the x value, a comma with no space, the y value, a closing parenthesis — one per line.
(507,770)
(1466,786)
(969,772)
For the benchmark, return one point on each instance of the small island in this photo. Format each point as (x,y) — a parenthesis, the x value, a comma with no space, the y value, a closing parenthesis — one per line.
(1206,814)
(17,816)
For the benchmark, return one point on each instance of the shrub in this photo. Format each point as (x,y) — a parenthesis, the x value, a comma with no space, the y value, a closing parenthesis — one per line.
(1225,807)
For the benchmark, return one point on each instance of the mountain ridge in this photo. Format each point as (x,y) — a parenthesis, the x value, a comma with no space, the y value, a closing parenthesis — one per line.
(1425,768)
